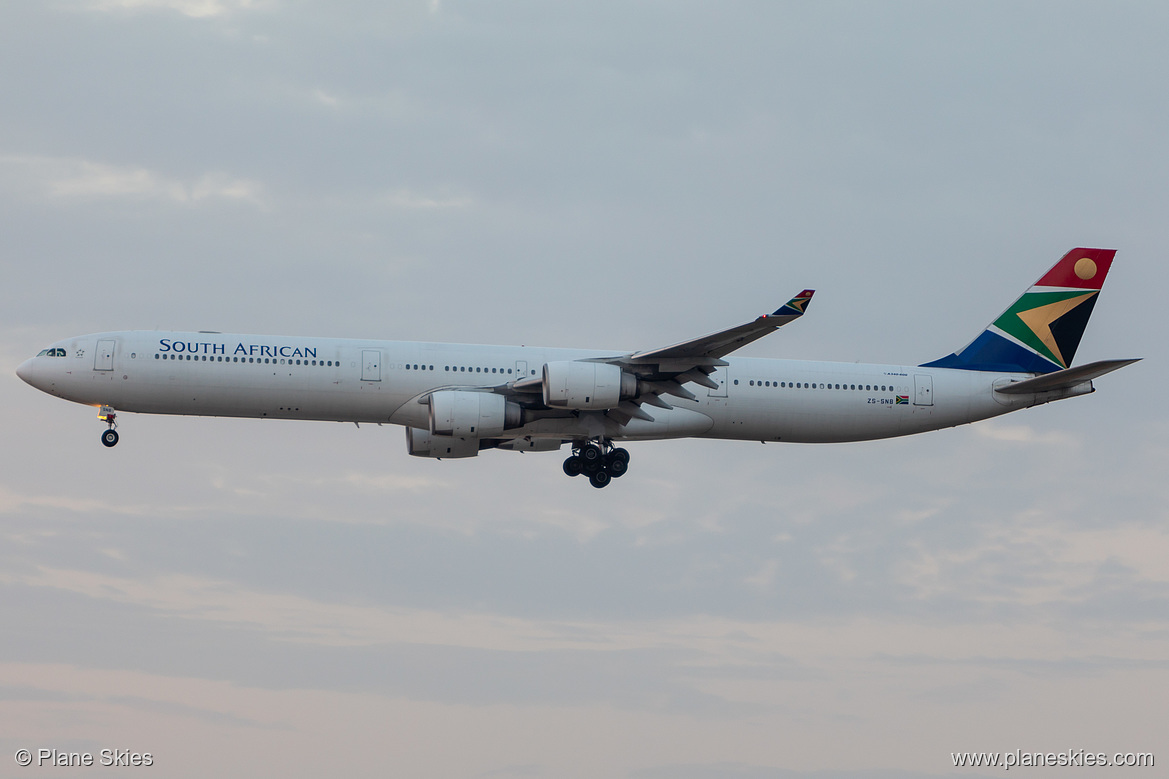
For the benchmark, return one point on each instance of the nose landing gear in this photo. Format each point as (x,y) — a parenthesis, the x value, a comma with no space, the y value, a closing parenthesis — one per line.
(107,415)
(600,461)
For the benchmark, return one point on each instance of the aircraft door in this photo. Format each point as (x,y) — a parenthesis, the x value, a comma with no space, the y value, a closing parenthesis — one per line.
(521,369)
(371,365)
(720,377)
(103,358)
(923,387)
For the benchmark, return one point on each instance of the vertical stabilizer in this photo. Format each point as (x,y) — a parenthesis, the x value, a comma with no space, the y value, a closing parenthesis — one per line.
(1041,331)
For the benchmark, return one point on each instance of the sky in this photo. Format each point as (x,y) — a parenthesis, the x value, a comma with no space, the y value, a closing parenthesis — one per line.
(251,598)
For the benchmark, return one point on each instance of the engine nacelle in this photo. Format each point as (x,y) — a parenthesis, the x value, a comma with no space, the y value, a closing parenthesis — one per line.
(471,414)
(421,443)
(588,386)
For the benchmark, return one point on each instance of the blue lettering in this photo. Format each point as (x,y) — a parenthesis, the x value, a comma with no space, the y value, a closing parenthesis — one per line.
(264,351)
(164,344)
(240,349)
(310,352)
(284,350)
(251,348)
(179,346)
(218,349)
(297,353)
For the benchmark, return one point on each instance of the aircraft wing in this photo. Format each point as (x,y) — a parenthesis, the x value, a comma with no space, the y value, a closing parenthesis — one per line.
(722,343)
(663,371)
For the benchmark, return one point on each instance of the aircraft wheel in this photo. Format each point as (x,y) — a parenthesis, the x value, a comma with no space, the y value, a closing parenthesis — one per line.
(573,466)
(616,466)
(590,457)
(590,453)
(109,437)
(620,454)
(600,478)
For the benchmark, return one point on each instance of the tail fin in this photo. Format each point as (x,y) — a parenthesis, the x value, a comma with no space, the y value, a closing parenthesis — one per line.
(1041,331)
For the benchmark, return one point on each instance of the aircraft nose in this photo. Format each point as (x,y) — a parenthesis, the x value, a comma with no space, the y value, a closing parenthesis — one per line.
(25,371)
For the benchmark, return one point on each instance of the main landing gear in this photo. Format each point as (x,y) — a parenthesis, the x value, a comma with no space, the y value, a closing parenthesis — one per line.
(107,415)
(601,466)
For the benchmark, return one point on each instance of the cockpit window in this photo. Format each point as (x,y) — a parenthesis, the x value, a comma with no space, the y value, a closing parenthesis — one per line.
(43,353)
(59,353)
(51,353)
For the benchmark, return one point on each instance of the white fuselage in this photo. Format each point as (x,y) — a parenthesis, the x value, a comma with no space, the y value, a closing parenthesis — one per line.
(279,377)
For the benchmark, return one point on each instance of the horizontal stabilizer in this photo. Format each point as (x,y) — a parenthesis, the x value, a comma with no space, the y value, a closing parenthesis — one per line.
(1064,379)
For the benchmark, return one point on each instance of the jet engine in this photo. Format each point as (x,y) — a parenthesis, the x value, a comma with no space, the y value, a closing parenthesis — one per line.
(471,414)
(421,443)
(588,386)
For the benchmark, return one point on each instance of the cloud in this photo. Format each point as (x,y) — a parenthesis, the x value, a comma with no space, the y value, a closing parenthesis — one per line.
(1023,434)
(12,502)
(194,9)
(68,179)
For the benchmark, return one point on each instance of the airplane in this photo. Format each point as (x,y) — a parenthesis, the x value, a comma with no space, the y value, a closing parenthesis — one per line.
(456,400)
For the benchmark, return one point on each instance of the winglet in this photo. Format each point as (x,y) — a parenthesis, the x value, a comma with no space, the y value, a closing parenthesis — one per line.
(797,305)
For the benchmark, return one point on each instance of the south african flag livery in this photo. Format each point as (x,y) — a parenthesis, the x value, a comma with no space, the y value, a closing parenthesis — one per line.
(796,305)
(1041,331)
